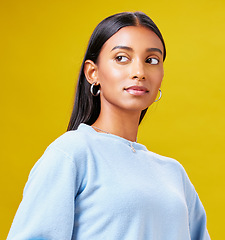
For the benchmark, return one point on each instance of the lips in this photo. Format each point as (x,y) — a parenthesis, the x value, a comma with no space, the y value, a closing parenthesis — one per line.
(136,90)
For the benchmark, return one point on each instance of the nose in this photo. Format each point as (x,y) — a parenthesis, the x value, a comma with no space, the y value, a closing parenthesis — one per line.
(137,70)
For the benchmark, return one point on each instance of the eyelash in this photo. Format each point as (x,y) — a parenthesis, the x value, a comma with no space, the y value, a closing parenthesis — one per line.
(119,59)
(152,59)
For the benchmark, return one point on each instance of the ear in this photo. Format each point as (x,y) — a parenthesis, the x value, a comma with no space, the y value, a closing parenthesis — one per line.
(90,71)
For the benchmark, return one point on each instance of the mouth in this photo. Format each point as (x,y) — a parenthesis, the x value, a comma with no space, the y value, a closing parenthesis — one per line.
(136,90)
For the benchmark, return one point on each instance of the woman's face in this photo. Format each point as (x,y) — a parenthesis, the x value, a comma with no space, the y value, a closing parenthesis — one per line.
(130,69)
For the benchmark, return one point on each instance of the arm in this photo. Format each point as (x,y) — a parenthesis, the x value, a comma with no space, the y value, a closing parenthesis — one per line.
(197,215)
(47,208)
(197,220)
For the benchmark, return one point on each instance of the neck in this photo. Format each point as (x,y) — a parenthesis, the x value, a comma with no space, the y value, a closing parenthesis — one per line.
(121,123)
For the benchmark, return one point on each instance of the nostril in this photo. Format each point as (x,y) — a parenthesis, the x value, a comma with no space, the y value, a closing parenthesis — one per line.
(140,78)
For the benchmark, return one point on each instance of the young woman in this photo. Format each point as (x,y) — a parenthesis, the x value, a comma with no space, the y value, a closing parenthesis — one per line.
(95,181)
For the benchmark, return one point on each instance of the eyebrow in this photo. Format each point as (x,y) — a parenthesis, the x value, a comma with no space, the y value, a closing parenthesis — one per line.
(131,49)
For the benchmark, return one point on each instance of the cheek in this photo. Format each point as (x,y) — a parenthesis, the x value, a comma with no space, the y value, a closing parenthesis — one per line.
(111,76)
(158,77)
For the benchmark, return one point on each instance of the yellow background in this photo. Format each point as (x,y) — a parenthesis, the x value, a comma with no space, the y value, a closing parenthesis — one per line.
(42,45)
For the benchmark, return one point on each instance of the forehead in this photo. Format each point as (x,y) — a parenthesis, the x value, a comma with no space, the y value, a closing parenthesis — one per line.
(136,37)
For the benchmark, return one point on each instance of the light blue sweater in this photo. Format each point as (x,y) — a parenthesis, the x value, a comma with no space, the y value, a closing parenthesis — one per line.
(96,186)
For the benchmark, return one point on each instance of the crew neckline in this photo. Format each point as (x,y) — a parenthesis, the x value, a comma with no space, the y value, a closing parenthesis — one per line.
(84,126)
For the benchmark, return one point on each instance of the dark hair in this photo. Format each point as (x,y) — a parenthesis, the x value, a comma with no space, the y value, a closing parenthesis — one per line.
(87,107)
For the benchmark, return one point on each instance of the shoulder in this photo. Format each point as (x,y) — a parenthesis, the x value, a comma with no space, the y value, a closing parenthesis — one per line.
(168,161)
(172,165)
(71,143)
(176,169)
(69,149)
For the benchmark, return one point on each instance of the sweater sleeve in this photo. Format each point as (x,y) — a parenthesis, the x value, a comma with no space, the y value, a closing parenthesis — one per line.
(197,215)
(47,207)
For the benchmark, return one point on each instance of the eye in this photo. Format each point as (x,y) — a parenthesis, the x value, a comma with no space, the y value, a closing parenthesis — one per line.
(121,59)
(153,61)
